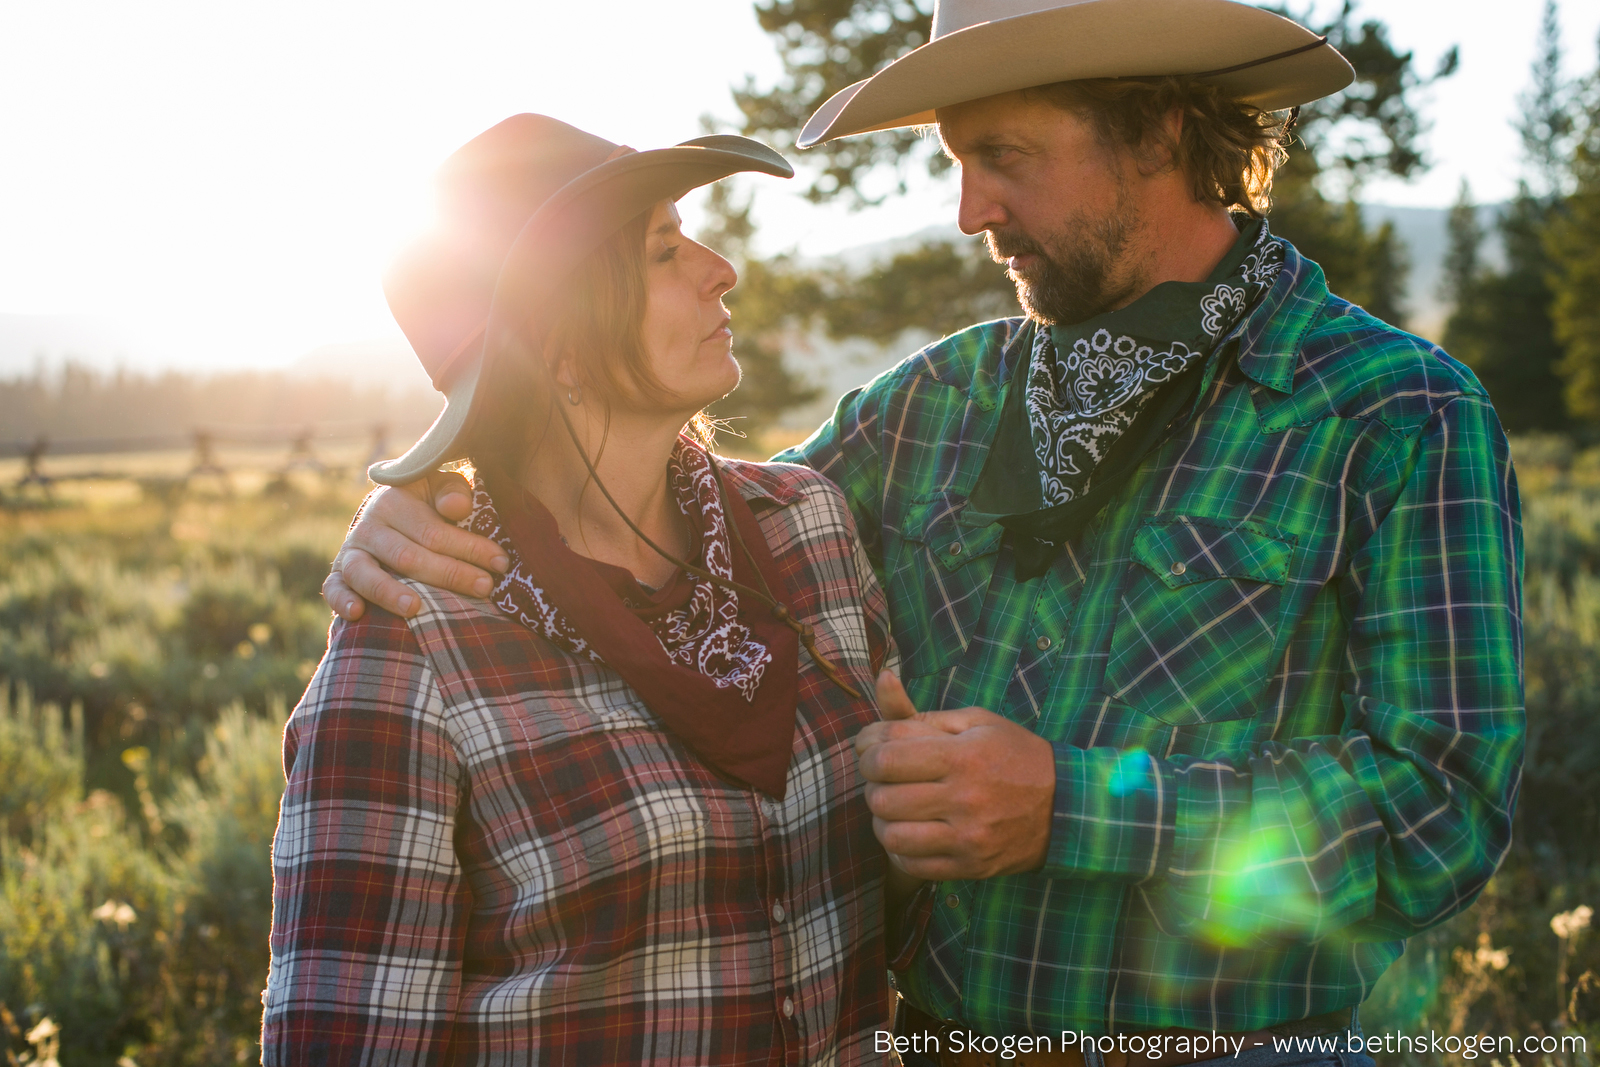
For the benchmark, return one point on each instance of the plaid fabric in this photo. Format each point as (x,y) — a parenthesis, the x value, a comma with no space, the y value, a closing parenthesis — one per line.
(490,853)
(1281,671)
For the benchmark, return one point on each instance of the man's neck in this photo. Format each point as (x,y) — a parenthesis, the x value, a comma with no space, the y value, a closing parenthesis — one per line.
(632,464)
(1181,241)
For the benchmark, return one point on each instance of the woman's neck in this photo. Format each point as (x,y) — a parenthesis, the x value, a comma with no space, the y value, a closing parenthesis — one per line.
(632,462)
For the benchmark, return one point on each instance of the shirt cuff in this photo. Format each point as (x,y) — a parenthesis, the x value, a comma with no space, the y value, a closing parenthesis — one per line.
(1115,814)
(907,929)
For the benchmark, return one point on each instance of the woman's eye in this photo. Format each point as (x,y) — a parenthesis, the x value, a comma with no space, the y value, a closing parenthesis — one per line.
(667,253)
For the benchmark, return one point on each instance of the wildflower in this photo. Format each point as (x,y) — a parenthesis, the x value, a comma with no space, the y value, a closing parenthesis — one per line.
(115,911)
(1568,923)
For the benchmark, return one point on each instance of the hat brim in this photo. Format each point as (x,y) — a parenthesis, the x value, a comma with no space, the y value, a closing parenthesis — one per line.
(1259,58)
(565,229)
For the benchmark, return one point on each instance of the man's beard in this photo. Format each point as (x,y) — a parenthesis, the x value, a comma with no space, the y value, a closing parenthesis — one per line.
(1074,276)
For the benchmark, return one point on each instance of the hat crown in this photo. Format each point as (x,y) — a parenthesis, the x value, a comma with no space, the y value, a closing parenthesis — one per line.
(952,15)
(495,182)
(439,289)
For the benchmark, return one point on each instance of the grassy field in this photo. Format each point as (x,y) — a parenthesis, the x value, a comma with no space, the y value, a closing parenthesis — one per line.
(152,640)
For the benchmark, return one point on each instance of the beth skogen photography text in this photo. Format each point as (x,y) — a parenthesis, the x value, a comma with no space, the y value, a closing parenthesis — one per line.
(931,533)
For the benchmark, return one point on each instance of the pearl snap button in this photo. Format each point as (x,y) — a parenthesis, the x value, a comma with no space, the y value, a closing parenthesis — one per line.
(952,901)
(788,1008)
(1042,644)
(1179,567)
(778,913)
(955,548)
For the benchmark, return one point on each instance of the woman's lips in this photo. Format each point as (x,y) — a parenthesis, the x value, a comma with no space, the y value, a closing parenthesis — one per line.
(723,330)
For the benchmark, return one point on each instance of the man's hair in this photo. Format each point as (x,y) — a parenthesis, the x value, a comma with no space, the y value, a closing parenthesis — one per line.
(1229,151)
(597,330)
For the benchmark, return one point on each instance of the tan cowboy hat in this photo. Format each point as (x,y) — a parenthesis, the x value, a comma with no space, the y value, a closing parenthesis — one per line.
(983,48)
(521,205)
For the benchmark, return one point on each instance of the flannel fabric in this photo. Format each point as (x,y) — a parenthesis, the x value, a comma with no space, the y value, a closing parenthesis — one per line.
(1281,671)
(489,852)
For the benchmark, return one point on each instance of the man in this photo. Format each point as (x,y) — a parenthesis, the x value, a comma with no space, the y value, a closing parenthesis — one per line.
(1221,573)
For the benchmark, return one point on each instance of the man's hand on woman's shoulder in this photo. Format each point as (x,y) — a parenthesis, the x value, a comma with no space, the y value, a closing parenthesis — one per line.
(411,530)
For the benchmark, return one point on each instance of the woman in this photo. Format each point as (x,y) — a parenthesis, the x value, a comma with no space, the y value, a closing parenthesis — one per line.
(609,815)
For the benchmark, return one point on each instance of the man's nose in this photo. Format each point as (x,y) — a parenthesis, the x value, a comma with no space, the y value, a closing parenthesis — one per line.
(980,210)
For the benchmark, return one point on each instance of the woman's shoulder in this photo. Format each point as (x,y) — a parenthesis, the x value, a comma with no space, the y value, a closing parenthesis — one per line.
(779,483)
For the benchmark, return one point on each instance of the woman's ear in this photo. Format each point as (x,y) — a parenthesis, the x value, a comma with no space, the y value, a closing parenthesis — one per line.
(561,373)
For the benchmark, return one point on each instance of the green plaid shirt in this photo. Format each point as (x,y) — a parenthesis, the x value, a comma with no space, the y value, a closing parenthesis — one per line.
(1281,671)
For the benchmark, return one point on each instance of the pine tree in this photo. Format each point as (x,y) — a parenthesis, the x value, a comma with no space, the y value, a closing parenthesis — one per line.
(1463,258)
(1574,248)
(1501,326)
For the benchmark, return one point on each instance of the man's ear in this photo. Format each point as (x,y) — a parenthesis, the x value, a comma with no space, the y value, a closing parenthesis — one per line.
(1160,149)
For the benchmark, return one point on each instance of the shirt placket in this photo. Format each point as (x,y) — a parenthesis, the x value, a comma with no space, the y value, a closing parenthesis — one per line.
(786,994)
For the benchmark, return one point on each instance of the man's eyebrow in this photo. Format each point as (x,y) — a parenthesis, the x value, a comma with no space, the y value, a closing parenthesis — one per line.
(972,144)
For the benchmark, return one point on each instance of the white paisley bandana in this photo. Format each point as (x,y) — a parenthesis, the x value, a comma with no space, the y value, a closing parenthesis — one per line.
(704,634)
(1080,400)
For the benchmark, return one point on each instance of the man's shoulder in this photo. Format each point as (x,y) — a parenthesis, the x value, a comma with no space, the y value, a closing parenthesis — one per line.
(1351,364)
(962,360)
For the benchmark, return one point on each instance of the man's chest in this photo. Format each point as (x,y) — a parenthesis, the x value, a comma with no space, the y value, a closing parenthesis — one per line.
(1220,559)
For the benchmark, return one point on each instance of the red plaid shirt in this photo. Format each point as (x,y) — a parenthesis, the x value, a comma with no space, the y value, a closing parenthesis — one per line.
(490,851)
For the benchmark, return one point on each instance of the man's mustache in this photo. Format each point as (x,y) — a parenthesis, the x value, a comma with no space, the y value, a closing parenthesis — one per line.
(1002,246)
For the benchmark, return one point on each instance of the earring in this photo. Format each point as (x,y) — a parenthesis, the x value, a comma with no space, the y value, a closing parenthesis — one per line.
(575,395)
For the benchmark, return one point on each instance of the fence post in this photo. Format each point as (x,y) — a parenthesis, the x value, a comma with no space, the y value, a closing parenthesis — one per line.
(205,461)
(32,474)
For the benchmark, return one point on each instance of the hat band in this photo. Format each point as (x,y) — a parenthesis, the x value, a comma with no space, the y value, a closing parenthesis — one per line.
(1318,43)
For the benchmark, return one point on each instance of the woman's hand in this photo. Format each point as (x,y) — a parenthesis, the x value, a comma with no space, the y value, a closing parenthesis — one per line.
(411,530)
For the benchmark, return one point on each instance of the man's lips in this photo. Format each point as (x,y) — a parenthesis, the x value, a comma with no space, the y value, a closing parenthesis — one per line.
(1021,261)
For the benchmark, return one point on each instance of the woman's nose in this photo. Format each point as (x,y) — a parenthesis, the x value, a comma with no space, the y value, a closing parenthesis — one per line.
(720,274)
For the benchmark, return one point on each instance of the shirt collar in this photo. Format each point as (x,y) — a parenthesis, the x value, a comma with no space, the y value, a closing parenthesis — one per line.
(770,483)
(1269,337)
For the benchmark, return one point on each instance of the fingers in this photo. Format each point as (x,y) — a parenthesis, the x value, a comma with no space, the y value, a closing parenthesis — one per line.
(451,494)
(362,575)
(408,536)
(913,802)
(914,840)
(917,759)
(900,730)
(415,522)
(341,598)
(893,703)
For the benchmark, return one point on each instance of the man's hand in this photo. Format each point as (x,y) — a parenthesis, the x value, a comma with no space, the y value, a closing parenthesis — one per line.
(412,530)
(956,794)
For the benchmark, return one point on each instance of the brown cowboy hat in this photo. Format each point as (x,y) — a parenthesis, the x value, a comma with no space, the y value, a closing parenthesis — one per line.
(983,48)
(521,205)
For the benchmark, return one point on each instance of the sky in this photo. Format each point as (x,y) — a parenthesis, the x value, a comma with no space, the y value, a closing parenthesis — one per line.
(224,182)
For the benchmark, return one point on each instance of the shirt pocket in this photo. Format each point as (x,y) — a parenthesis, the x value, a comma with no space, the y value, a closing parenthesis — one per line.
(1198,623)
(939,582)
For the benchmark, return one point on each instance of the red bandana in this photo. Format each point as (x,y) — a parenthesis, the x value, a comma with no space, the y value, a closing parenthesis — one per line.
(721,675)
